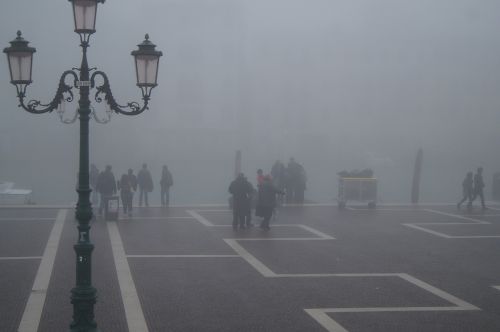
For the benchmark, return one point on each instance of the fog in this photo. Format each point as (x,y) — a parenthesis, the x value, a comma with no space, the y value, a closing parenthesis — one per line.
(336,84)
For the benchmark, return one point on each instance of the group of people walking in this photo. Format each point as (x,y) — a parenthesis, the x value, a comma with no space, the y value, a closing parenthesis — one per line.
(289,181)
(104,184)
(473,186)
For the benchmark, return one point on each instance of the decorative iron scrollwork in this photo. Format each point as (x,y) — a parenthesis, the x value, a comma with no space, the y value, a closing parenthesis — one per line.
(64,93)
(104,94)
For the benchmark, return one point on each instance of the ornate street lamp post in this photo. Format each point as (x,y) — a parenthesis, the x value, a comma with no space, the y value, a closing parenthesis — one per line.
(20,58)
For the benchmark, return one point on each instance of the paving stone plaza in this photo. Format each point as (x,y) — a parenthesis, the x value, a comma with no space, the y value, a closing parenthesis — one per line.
(395,268)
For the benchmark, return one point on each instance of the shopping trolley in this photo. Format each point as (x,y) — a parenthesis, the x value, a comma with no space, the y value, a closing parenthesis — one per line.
(360,189)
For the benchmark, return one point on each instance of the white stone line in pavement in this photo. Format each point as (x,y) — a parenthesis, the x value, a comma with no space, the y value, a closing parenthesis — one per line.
(19,258)
(475,236)
(438,292)
(496,287)
(320,314)
(430,231)
(324,320)
(321,235)
(182,256)
(483,215)
(33,310)
(254,262)
(392,309)
(476,221)
(202,220)
(133,310)
(26,219)
(471,221)
(331,275)
(316,232)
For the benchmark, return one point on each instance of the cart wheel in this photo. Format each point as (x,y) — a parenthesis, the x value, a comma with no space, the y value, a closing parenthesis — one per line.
(341,205)
(372,205)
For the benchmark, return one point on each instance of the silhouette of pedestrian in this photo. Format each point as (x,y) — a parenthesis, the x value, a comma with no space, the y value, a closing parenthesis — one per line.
(478,187)
(127,185)
(145,182)
(106,186)
(166,182)
(295,182)
(468,190)
(278,175)
(241,190)
(267,201)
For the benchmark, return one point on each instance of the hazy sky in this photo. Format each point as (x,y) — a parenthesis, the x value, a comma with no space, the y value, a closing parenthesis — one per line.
(336,84)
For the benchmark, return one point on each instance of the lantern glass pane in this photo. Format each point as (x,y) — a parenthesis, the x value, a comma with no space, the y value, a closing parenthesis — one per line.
(85,12)
(146,69)
(20,66)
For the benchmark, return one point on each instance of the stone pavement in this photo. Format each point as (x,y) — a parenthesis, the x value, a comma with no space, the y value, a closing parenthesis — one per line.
(426,268)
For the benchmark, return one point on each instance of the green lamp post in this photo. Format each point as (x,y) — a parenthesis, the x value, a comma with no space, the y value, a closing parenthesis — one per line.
(20,59)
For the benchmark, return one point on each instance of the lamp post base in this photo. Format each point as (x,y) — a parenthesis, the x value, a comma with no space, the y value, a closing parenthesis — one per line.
(83,300)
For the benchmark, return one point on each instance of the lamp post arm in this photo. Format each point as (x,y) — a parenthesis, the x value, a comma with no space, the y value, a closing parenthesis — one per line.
(63,93)
(105,89)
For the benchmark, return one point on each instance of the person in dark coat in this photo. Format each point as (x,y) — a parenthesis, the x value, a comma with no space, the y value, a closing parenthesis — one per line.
(241,190)
(166,182)
(468,190)
(278,175)
(106,186)
(267,201)
(295,182)
(145,182)
(479,187)
(127,186)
